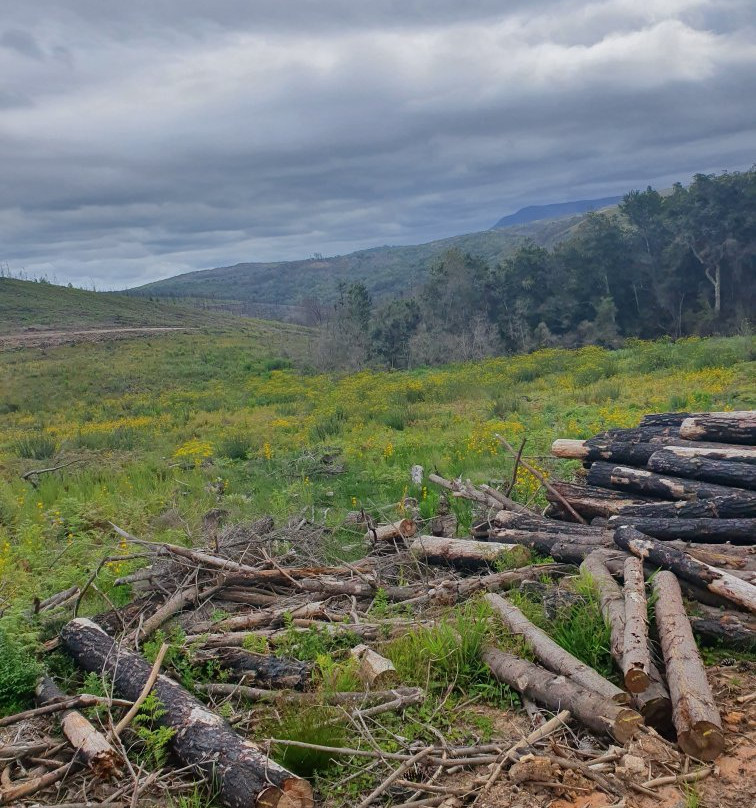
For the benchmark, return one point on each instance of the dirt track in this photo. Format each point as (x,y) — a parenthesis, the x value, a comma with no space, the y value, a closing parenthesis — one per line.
(44,339)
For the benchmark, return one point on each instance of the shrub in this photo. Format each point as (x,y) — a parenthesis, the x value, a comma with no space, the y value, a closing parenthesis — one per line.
(234,447)
(322,726)
(329,425)
(18,674)
(37,446)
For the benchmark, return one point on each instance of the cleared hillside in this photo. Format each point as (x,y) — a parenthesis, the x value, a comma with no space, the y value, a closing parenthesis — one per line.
(27,305)
(386,271)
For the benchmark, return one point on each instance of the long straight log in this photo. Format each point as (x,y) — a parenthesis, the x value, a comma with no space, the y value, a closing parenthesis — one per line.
(592,501)
(721,472)
(551,654)
(718,581)
(653,703)
(517,521)
(722,451)
(695,714)
(642,434)
(728,506)
(463,553)
(244,775)
(90,744)
(632,454)
(261,670)
(558,692)
(705,530)
(727,427)
(636,659)
(626,478)
(723,627)
(666,418)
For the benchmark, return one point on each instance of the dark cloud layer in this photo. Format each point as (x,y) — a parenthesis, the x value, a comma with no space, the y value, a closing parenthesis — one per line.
(143,139)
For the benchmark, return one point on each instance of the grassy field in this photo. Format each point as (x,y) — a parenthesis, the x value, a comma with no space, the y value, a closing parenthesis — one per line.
(163,430)
(28,304)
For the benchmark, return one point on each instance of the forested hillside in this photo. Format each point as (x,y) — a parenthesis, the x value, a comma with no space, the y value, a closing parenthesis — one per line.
(678,264)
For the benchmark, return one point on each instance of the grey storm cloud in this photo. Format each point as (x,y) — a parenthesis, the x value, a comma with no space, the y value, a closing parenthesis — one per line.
(139,140)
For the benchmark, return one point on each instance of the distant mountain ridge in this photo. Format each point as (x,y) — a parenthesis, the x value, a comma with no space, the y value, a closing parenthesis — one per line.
(275,289)
(535,213)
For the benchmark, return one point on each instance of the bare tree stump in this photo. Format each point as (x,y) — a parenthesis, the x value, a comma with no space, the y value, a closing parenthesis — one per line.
(375,671)
(695,714)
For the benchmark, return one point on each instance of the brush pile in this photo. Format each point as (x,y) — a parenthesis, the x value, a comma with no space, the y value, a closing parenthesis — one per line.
(677,494)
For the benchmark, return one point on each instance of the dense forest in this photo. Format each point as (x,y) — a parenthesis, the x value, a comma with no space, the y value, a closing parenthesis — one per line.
(673,264)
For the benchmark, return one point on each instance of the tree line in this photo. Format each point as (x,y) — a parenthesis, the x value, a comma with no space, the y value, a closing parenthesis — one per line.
(675,264)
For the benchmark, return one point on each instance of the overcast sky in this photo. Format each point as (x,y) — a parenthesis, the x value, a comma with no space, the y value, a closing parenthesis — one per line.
(145,138)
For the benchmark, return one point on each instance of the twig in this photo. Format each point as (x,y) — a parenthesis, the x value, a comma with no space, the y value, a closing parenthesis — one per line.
(36,472)
(671,779)
(537,474)
(601,782)
(126,720)
(82,700)
(406,766)
(516,466)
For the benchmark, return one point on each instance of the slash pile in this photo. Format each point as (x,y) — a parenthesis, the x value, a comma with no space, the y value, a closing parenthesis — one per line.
(677,494)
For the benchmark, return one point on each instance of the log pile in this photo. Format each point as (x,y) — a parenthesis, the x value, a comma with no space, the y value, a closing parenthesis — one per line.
(677,494)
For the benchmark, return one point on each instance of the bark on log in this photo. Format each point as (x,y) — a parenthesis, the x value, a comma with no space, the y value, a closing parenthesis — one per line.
(722,627)
(245,776)
(714,531)
(730,506)
(695,714)
(626,478)
(517,521)
(721,472)
(404,529)
(636,660)
(727,427)
(90,744)
(718,581)
(641,434)
(666,418)
(592,501)
(261,670)
(465,554)
(653,703)
(552,655)
(632,454)
(374,671)
(560,693)
(738,454)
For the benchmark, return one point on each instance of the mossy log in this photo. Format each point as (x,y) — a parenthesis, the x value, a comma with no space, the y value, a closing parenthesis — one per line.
(243,774)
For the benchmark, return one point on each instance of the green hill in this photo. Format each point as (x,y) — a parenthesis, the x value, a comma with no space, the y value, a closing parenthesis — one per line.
(386,271)
(29,305)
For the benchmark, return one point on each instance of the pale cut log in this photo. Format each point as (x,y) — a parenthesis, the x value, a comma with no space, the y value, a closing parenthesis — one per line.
(738,454)
(90,744)
(551,654)
(728,506)
(703,530)
(721,472)
(695,714)
(374,670)
(558,692)
(636,660)
(727,427)
(721,583)
(404,529)
(592,501)
(464,553)
(243,774)
(626,478)
(269,618)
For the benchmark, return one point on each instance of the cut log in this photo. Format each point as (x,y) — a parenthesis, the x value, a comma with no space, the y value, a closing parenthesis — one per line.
(375,671)
(626,478)
(723,627)
(666,418)
(728,506)
(404,529)
(720,582)
(244,775)
(633,454)
(715,531)
(517,521)
(727,427)
(722,472)
(466,554)
(557,692)
(261,670)
(90,744)
(738,454)
(695,714)
(592,501)
(552,655)
(636,660)
(641,434)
